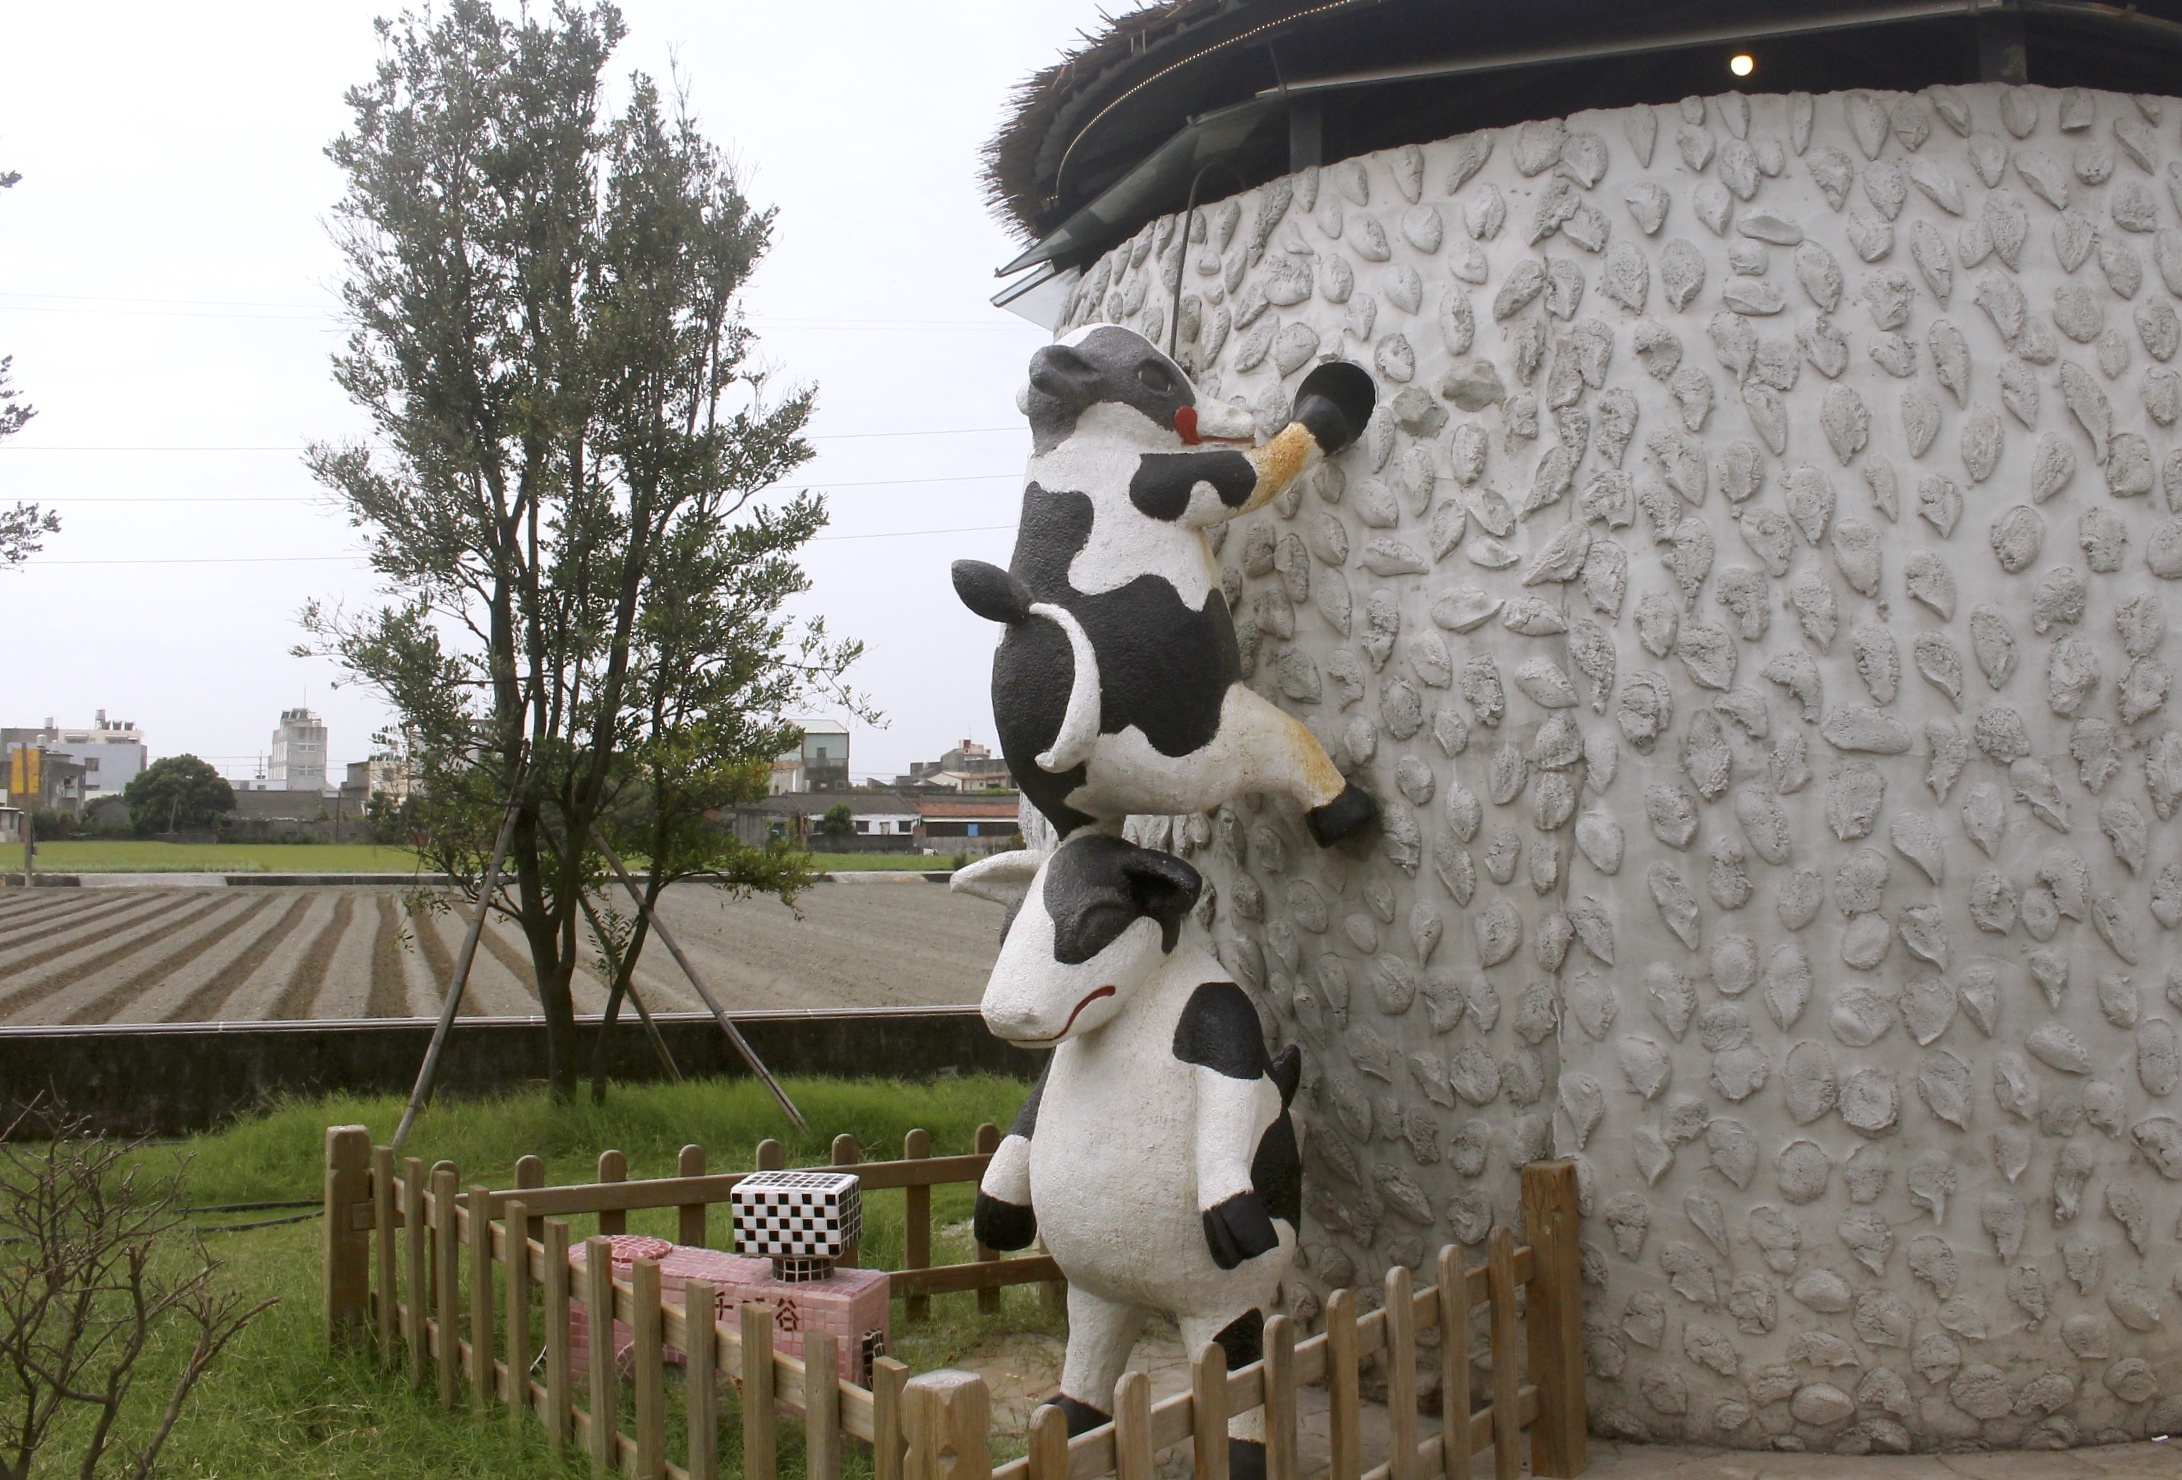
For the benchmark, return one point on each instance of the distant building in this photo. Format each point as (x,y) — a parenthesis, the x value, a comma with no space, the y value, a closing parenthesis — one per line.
(299,753)
(60,779)
(946,820)
(968,767)
(821,763)
(111,754)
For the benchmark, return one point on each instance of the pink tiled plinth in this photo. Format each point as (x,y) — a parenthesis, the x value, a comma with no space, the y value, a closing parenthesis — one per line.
(851,1303)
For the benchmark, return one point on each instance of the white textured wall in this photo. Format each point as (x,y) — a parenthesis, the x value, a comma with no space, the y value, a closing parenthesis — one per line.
(1750,607)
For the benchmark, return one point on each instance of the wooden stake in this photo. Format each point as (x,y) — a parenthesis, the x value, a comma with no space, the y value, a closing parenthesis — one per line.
(514,1220)
(1507,1375)
(1048,1451)
(690,1217)
(1342,1387)
(1554,1311)
(481,1282)
(346,1248)
(917,1224)
(1280,1399)
(598,1300)
(418,1278)
(889,1391)
(701,1379)
(447,1298)
(1208,1411)
(383,1247)
(988,1141)
(821,1407)
(950,1419)
(1400,1359)
(719,1014)
(559,1383)
(1454,1323)
(613,1167)
(1134,1457)
(758,1395)
(651,1370)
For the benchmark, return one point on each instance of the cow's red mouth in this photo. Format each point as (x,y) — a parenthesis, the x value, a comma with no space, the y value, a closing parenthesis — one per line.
(1185,426)
(1074,1013)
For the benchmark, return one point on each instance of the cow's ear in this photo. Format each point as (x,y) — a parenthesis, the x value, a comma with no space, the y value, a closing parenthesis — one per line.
(1060,374)
(1004,878)
(1165,887)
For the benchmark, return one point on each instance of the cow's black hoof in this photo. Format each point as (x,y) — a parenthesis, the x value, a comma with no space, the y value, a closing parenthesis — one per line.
(1082,1417)
(1245,1460)
(1341,816)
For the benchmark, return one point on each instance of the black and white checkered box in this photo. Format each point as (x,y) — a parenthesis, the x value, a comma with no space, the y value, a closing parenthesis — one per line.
(797,1215)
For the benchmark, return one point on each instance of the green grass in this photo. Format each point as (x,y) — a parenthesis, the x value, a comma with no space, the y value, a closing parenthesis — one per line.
(144,855)
(277,1405)
(864,863)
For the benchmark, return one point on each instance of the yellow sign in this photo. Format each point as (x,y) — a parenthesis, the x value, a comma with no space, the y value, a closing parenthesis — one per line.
(25,771)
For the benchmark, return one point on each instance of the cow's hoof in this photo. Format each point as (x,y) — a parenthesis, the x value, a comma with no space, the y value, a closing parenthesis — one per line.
(1341,816)
(1083,1418)
(1245,1460)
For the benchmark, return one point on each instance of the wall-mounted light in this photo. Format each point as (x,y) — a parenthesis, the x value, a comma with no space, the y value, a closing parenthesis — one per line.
(1742,64)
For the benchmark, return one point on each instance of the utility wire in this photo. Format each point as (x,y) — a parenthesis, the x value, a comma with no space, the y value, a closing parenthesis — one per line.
(815,485)
(889,534)
(299,447)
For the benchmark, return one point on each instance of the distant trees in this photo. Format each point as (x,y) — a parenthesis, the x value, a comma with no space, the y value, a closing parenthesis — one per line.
(839,820)
(23,528)
(179,793)
(589,604)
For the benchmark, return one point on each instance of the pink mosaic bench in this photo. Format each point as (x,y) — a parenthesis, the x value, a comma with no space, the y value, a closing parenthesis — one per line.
(852,1304)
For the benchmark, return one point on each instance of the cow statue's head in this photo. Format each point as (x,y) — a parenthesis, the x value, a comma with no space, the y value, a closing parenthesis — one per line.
(1091,922)
(1119,379)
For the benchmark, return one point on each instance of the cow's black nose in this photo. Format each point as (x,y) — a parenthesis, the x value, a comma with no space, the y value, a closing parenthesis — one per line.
(1334,402)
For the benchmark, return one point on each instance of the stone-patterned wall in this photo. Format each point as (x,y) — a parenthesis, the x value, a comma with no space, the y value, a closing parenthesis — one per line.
(1750,607)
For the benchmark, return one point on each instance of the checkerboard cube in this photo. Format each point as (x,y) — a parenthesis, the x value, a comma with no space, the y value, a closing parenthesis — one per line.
(803,1221)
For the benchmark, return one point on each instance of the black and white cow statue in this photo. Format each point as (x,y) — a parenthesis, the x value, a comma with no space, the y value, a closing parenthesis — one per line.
(1156,1154)
(1118,685)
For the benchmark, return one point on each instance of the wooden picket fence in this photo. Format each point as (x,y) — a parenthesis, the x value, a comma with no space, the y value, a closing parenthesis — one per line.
(398,1247)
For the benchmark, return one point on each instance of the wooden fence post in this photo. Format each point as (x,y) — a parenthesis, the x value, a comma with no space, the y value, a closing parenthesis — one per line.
(514,1221)
(889,1383)
(1280,1399)
(1554,1309)
(613,1167)
(1343,1383)
(1454,1323)
(559,1360)
(1507,1376)
(759,1399)
(1401,1375)
(1208,1411)
(347,1247)
(690,1222)
(1134,1457)
(447,1282)
(1048,1450)
(846,1153)
(950,1419)
(701,1379)
(988,1300)
(482,1385)
(821,1407)
(598,1300)
(529,1173)
(917,1223)
(771,1155)
(417,1281)
(645,1322)
(383,1245)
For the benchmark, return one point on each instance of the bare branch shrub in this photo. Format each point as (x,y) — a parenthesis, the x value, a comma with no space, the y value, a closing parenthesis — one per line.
(96,1271)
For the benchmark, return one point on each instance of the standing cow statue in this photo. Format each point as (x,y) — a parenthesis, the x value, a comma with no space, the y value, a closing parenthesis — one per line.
(1117,688)
(1156,1153)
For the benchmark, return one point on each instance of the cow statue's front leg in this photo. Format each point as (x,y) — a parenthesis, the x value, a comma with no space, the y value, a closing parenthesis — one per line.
(1101,1333)
(1238,1103)
(1242,1339)
(1004,1217)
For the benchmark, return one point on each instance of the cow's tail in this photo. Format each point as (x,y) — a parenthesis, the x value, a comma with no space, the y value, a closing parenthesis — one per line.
(997,596)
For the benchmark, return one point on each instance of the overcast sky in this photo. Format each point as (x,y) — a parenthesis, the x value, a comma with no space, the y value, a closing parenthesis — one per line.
(168,292)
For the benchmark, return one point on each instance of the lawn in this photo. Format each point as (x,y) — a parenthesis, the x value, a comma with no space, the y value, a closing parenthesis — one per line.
(278,1405)
(147,855)
(864,863)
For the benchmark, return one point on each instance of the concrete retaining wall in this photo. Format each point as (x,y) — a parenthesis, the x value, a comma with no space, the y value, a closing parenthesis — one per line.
(173,1079)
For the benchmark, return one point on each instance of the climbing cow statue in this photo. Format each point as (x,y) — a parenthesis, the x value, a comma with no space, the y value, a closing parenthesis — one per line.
(1156,1153)
(1117,688)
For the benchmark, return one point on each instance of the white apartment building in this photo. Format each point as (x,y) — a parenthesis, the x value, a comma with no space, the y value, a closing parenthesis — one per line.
(299,753)
(111,753)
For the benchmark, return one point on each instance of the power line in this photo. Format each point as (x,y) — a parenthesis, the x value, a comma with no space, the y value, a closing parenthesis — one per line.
(888,534)
(298,447)
(313,498)
(305,313)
